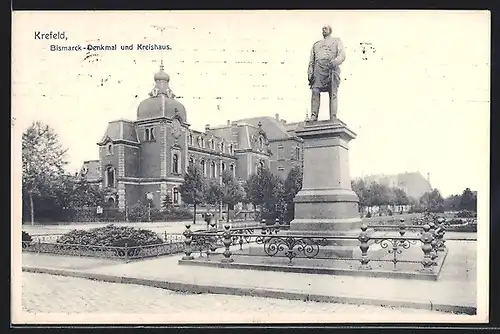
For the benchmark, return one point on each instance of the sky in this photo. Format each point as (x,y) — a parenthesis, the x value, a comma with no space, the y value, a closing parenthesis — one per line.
(417,98)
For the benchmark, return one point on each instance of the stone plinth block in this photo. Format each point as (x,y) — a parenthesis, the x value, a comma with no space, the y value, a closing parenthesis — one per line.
(326,202)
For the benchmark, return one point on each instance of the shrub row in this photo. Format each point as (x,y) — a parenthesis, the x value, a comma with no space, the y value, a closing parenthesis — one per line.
(111,235)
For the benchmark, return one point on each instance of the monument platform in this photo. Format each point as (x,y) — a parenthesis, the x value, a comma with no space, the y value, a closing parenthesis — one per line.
(326,206)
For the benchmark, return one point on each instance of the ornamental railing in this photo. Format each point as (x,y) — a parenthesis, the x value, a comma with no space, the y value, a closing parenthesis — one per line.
(216,242)
(125,253)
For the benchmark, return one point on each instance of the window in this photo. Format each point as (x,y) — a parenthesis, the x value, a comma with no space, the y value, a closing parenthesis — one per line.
(232,169)
(203,142)
(222,167)
(213,170)
(149,134)
(190,138)
(280,153)
(261,143)
(199,141)
(109,149)
(202,164)
(111,202)
(191,161)
(222,147)
(297,153)
(110,177)
(175,164)
(212,144)
(261,164)
(281,169)
(231,148)
(176,196)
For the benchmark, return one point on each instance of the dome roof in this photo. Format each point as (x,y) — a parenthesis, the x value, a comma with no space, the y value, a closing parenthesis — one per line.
(162,101)
(162,76)
(160,106)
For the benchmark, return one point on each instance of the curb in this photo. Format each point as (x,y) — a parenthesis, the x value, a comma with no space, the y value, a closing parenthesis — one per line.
(254,292)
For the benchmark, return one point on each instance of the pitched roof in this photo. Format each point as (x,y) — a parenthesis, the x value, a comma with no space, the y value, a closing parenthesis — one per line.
(120,130)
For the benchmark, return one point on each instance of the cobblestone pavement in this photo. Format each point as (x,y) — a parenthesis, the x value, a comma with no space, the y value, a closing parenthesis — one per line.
(42,293)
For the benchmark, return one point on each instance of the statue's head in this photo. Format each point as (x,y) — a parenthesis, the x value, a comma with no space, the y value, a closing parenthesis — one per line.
(327,30)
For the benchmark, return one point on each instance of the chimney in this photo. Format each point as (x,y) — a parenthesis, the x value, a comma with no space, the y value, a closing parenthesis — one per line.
(207,127)
(277,117)
(234,123)
(228,122)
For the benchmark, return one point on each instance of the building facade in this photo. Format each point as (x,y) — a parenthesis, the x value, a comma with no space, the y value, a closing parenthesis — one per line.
(149,156)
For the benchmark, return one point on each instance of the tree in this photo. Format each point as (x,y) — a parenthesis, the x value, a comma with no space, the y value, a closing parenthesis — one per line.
(360,188)
(399,197)
(264,189)
(213,193)
(432,201)
(43,161)
(192,189)
(232,191)
(468,200)
(167,201)
(292,185)
(452,203)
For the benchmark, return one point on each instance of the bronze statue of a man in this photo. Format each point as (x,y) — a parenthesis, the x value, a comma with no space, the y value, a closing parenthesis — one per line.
(324,71)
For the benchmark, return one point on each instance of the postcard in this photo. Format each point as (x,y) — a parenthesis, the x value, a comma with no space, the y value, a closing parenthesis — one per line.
(196,167)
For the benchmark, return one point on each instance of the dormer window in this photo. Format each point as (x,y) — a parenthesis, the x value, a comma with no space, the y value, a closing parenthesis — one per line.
(222,147)
(212,144)
(149,134)
(190,139)
(109,149)
(231,149)
(261,142)
(202,142)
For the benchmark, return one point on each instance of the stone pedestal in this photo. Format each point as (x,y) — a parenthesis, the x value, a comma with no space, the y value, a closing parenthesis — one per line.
(326,205)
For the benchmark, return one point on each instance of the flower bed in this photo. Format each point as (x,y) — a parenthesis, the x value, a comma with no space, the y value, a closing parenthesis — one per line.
(109,242)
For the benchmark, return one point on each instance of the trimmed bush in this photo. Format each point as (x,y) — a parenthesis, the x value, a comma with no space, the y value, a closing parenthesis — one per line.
(171,214)
(466,214)
(139,212)
(26,237)
(111,235)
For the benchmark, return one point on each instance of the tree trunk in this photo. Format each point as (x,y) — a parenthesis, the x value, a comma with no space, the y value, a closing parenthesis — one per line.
(32,209)
(194,214)
(228,213)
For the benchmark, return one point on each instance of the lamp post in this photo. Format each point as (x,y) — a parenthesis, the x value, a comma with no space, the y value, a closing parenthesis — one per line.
(149,196)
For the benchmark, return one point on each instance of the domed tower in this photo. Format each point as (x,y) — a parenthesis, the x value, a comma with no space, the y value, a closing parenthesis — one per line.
(162,129)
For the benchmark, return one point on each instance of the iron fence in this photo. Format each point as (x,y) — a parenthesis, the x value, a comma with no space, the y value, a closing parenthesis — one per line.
(126,253)
(220,242)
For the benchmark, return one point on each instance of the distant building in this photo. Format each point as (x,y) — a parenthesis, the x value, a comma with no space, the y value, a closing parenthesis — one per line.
(150,155)
(414,184)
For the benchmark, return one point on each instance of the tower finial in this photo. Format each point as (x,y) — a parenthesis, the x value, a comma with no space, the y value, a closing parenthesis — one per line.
(161,64)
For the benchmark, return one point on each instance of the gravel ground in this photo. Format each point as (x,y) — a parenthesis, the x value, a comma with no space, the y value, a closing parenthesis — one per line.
(42,293)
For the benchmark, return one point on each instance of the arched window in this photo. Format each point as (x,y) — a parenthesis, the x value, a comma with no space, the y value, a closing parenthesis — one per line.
(146,135)
(261,164)
(232,169)
(231,149)
(175,164)
(223,167)
(222,147)
(203,142)
(190,139)
(111,202)
(203,169)
(176,196)
(213,170)
(110,149)
(212,144)
(191,161)
(110,177)
(261,142)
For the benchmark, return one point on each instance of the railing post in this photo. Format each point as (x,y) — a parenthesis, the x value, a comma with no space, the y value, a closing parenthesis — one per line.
(402,227)
(227,243)
(363,239)
(440,235)
(426,240)
(433,254)
(189,239)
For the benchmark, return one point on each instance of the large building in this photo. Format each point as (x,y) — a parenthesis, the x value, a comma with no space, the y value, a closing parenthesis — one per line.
(149,156)
(414,184)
